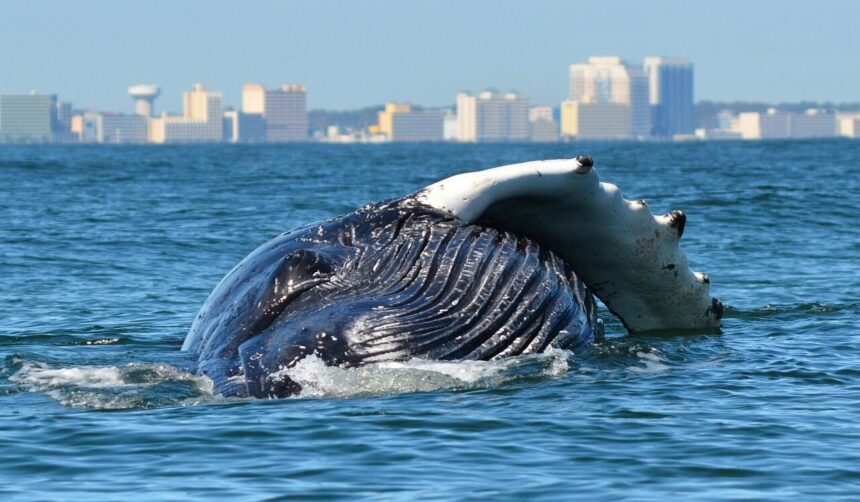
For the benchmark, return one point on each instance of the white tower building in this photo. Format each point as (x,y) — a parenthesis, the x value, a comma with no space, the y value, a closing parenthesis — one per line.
(144,96)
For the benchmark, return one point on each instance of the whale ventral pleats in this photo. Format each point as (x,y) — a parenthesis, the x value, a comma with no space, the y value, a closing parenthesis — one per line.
(414,283)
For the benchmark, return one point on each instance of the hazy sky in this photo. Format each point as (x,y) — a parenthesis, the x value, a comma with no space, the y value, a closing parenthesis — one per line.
(359,53)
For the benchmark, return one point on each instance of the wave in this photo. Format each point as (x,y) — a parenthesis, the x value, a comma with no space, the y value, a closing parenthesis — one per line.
(138,385)
(805,310)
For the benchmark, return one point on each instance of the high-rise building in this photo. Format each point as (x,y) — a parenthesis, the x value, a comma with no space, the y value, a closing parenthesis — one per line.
(62,127)
(286,114)
(284,110)
(27,118)
(612,80)
(240,127)
(848,124)
(467,130)
(450,126)
(587,120)
(63,116)
(385,117)
(201,120)
(230,126)
(492,116)
(670,96)
(544,128)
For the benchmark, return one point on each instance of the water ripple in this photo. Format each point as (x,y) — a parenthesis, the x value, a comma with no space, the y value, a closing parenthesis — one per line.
(106,253)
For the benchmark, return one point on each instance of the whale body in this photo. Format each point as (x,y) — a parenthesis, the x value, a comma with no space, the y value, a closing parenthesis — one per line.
(482,266)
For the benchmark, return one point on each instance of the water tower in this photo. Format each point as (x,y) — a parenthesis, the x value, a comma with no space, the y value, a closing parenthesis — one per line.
(144,95)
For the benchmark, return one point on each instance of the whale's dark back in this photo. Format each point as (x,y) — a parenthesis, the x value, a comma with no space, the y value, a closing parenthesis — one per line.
(389,282)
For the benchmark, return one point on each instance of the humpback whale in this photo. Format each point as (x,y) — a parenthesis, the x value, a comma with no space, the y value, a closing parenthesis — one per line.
(481,265)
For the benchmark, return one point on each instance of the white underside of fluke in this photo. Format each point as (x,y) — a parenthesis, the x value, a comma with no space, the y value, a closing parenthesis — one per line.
(628,257)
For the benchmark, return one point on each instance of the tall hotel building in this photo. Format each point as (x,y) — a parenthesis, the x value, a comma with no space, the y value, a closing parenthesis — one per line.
(385,118)
(200,122)
(671,96)
(491,116)
(399,122)
(283,110)
(588,120)
(27,118)
(607,81)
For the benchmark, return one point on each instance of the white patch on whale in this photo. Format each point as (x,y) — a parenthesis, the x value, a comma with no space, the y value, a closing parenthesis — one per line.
(628,257)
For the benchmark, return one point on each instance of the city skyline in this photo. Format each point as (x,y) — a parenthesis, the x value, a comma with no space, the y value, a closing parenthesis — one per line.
(609,98)
(353,56)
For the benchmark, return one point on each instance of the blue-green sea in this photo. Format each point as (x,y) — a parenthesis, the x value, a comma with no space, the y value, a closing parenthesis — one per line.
(107,253)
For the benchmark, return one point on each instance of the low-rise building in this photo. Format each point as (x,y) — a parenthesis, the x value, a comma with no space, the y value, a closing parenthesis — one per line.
(399,122)
(813,124)
(425,125)
(120,128)
(334,134)
(717,134)
(786,125)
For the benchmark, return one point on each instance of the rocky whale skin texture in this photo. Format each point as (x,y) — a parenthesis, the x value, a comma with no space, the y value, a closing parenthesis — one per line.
(483,265)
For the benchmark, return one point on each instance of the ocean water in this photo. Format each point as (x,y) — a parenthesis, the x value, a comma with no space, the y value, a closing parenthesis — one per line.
(106,254)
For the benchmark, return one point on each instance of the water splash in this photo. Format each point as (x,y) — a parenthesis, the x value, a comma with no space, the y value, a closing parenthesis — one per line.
(113,387)
(157,385)
(418,375)
(649,362)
